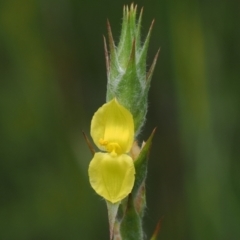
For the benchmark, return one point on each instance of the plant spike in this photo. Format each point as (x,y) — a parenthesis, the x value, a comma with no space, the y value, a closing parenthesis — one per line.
(118,171)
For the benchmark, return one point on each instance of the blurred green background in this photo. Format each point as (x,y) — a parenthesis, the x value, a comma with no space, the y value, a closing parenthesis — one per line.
(52,80)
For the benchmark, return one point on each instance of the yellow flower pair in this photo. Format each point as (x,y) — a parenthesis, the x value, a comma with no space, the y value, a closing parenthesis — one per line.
(112,172)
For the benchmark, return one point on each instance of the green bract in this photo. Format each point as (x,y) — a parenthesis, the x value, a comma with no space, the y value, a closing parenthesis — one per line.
(128,80)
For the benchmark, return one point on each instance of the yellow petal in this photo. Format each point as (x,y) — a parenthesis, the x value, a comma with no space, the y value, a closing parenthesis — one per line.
(112,128)
(112,177)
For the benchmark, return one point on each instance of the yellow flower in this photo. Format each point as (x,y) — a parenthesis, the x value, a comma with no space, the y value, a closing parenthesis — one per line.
(112,172)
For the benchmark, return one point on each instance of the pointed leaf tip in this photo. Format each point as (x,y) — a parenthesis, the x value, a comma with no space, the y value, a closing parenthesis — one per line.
(90,146)
(149,32)
(149,141)
(140,16)
(135,8)
(151,26)
(110,36)
(106,55)
(157,229)
(150,72)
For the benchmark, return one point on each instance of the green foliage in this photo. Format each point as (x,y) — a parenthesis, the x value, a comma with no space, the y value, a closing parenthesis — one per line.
(126,69)
(131,225)
(128,220)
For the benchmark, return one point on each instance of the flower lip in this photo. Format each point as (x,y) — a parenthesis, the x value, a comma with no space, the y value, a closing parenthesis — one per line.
(112,128)
(112,177)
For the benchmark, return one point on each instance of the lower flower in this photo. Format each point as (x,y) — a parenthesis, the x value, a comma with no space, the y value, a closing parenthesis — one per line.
(112,177)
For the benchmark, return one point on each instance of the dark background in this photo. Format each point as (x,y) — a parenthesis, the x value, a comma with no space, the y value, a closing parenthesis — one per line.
(52,80)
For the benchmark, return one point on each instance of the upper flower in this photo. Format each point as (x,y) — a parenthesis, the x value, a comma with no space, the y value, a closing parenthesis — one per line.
(112,173)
